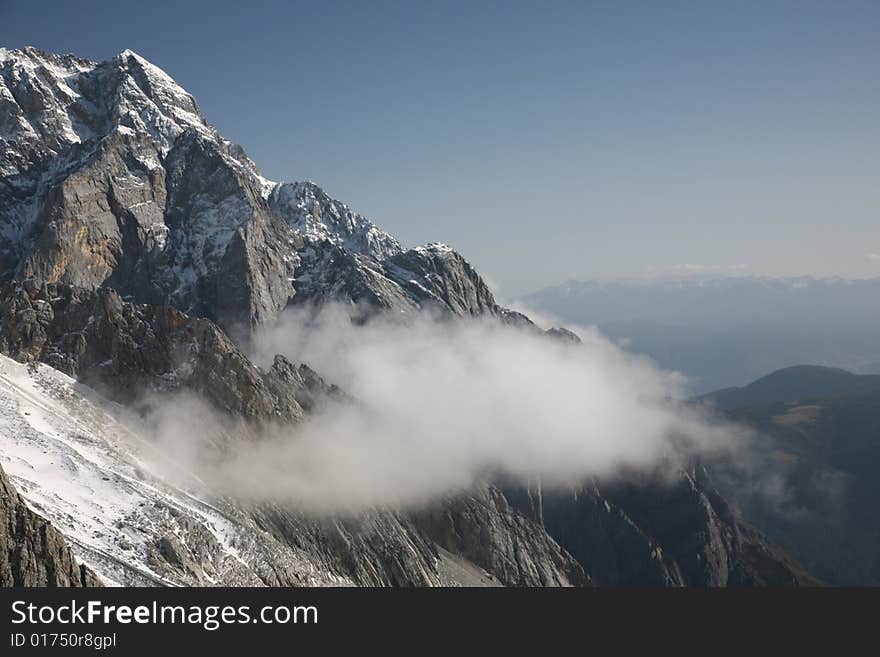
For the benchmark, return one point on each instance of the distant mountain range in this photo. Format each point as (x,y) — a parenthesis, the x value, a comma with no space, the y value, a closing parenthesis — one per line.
(727,331)
(811,482)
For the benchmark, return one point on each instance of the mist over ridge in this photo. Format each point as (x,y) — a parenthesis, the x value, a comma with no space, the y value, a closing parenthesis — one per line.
(438,404)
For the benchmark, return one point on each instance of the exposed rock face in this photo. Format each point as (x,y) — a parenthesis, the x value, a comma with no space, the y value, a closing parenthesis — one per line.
(602,537)
(485,529)
(123,349)
(32,551)
(657,531)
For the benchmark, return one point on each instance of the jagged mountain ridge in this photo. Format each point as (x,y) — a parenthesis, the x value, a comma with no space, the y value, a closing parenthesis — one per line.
(115,189)
(111,176)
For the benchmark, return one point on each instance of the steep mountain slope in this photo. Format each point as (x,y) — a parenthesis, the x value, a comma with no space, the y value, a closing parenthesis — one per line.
(812,485)
(140,250)
(76,456)
(82,462)
(660,531)
(118,347)
(32,551)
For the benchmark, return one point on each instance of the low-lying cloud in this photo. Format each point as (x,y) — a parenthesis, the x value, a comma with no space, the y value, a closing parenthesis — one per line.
(440,404)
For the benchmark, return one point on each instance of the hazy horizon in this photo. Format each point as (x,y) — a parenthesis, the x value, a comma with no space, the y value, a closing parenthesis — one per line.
(679,275)
(546,143)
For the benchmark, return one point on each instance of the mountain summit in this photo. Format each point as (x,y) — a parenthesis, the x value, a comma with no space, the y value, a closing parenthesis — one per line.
(111,176)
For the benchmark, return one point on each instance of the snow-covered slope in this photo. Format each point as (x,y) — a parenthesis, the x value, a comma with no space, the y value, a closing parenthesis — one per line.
(79,461)
(311,212)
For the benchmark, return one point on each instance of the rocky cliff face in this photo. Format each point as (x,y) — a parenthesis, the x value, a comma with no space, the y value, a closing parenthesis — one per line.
(140,249)
(123,350)
(487,530)
(657,531)
(32,551)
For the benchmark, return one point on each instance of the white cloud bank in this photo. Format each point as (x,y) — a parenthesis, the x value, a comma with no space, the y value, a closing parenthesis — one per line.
(441,404)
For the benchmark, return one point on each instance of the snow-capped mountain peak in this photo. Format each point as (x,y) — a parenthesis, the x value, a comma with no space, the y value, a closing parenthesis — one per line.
(115,177)
(149,99)
(54,101)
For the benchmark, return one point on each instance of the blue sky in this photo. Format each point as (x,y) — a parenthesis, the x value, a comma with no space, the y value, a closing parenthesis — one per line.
(545,141)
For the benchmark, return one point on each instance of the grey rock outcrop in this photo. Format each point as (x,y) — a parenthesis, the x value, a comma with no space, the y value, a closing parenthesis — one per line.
(32,551)
(653,530)
(124,349)
(487,530)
